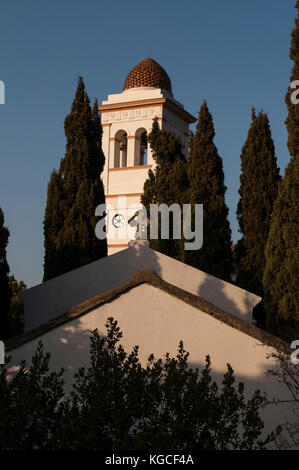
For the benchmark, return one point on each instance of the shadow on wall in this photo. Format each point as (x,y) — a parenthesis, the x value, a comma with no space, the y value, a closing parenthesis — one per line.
(68,345)
(218,292)
(144,258)
(213,289)
(73,345)
(54,297)
(272,414)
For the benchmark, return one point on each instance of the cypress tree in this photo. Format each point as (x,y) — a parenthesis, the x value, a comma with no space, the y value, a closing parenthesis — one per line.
(206,180)
(53,223)
(5,292)
(166,184)
(282,264)
(16,306)
(75,191)
(258,189)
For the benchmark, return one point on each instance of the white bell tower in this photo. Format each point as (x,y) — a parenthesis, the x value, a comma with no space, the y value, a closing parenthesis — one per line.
(127,119)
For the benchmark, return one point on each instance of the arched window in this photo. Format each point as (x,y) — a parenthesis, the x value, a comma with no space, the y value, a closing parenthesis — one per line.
(123,149)
(140,147)
(120,149)
(143,149)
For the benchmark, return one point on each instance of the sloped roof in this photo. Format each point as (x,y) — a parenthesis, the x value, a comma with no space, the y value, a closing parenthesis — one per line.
(54,297)
(150,277)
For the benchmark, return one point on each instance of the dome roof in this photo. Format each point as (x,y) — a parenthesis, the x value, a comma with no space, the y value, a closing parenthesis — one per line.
(148,73)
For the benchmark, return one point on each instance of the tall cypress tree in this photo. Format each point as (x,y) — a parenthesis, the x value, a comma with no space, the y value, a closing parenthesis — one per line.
(75,191)
(5,292)
(282,260)
(16,306)
(166,184)
(206,180)
(53,223)
(258,190)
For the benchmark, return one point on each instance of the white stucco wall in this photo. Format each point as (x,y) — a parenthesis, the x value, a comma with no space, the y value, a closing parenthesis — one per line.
(157,321)
(130,119)
(53,297)
(123,181)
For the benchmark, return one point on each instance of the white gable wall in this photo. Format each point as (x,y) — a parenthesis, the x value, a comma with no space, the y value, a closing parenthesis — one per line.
(157,321)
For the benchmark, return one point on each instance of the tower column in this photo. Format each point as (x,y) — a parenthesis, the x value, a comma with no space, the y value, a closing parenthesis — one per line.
(131,150)
(127,119)
(106,150)
(112,152)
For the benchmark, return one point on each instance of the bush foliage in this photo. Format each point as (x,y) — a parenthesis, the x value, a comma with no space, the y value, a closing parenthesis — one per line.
(116,403)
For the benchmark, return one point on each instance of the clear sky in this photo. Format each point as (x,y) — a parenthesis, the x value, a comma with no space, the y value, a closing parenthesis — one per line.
(233,53)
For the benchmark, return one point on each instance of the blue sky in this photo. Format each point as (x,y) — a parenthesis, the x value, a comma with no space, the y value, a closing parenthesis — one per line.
(233,53)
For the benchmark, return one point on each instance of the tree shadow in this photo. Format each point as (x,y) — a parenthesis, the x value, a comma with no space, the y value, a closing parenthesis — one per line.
(273,414)
(233,300)
(69,346)
(54,297)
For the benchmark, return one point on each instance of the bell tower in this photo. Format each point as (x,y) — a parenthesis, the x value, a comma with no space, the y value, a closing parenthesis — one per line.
(127,119)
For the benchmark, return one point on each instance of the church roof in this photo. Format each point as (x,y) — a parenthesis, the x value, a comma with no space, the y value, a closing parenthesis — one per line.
(148,73)
(148,276)
(41,302)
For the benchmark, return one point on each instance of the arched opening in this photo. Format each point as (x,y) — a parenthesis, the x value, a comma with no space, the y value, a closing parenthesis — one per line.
(120,149)
(143,149)
(123,146)
(140,147)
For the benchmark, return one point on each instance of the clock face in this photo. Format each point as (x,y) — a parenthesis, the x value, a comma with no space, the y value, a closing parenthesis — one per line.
(118,220)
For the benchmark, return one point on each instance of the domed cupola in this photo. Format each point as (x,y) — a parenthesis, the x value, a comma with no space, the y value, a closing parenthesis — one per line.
(148,73)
